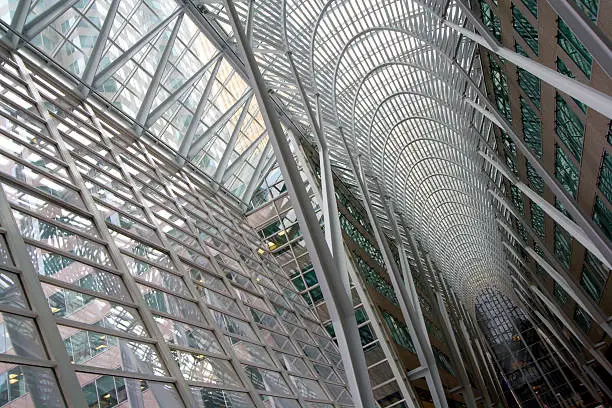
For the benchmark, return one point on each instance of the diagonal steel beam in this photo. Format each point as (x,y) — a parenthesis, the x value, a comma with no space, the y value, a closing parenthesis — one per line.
(145,107)
(44,19)
(160,109)
(114,66)
(197,116)
(18,22)
(195,146)
(229,148)
(96,53)
(233,168)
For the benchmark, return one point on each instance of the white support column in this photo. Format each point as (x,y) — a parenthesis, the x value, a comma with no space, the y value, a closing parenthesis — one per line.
(338,302)
(570,226)
(571,326)
(418,335)
(96,53)
(593,39)
(556,271)
(593,98)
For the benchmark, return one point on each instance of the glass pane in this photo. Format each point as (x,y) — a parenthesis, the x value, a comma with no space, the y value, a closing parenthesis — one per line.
(19,336)
(33,386)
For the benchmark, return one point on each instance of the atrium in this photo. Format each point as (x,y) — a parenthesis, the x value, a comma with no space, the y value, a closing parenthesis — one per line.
(305,203)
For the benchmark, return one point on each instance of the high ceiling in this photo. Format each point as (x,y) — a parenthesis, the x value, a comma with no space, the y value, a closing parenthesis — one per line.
(400,83)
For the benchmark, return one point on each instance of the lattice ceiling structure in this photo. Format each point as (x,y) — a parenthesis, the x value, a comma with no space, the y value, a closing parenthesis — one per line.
(402,86)
(399,82)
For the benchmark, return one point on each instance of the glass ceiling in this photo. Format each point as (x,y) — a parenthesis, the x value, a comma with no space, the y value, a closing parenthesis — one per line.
(401,84)
(151,60)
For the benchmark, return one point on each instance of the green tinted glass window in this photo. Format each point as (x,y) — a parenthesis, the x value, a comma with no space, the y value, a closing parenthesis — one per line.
(566,172)
(574,48)
(535,181)
(399,331)
(524,28)
(529,83)
(560,294)
(537,219)
(532,6)
(594,276)
(563,248)
(605,177)
(517,198)
(603,217)
(490,20)
(569,127)
(562,68)
(582,319)
(531,128)
(500,88)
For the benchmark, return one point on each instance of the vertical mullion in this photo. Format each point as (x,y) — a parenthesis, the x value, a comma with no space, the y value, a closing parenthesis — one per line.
(114,252)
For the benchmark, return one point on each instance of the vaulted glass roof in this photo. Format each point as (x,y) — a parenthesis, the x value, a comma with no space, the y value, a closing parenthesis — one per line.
(401,84)
(151,60)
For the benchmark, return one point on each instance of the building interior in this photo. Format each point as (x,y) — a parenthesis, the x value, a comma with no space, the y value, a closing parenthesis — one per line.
(305,203)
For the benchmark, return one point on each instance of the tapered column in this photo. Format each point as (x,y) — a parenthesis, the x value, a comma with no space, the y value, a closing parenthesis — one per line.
(338,302)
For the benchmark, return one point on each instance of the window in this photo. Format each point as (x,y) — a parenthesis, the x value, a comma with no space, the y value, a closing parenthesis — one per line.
(594,276)
(500,88)
(605,177)
(563,246)
(537,219)
(603,217)
(535,181)
(524,28)
(517,198)
(399,331)
(560,294)
(562,68)
(529,83)
(590,8)
(531,128)
(490,20)
(574,48)
(510,150)
(582,319)
(532,6)
(566,172)
(569,128)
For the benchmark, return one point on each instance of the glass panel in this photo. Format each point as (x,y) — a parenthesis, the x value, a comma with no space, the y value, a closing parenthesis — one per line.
(34,386)
(210,397)
(267,380)
(188,336)
(19,336)
(110,391)
(201,368)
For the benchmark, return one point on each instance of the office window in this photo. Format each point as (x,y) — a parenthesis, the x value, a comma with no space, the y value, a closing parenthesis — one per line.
(574,48)
(605,177)
(560,294)
(490,20)
(582,319)
(563,246)
(510,150)
(399,331)
(563,69)
(517,198)
(531,128)
(594,276)
(500,88)
(603,217)
(535,181)
(532,6)
(590,8)
(529,83)
(524,28)
(566,172)
(569,128)
(537,219)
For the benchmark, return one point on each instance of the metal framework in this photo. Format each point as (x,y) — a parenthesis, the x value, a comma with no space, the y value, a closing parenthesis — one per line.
(208,89)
